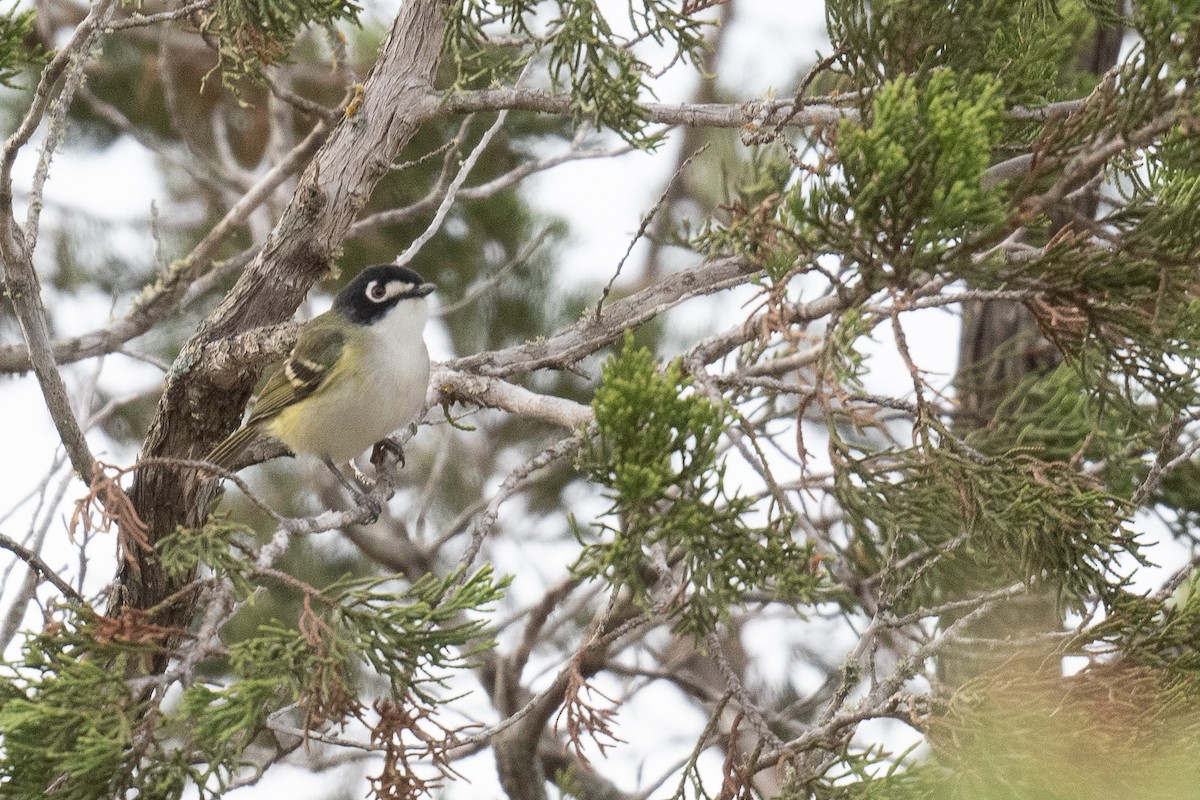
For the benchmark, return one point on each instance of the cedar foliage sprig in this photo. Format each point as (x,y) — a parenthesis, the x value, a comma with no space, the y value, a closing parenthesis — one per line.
(908,183)
(1027,519)
(582,48)
(67,717)
(16,56)
(70,718)
(255,34)
(1026,45)
(656,455)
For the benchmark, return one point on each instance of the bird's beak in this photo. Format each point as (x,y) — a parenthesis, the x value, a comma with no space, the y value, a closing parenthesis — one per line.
(424,289)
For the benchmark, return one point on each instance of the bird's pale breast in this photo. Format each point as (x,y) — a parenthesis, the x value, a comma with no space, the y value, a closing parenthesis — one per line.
(358,406)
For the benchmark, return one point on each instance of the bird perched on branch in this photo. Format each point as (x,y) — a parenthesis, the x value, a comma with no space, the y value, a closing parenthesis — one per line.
(357,373)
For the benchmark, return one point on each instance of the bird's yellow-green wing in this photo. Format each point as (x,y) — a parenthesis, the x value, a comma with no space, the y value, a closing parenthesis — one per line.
(304,371)
(225,454)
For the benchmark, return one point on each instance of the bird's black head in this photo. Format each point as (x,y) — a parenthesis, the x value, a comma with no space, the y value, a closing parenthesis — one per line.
(377,290)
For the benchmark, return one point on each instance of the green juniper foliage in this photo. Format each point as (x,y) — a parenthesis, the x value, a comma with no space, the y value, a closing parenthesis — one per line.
(656,454)
(1056,416)
(905,197)
(1026,44)
(915,514)
(749,227)
(582,49)
(69,717)
(909,184)
(1027,519)
(842,357)
(187,549)
(253,34)
(16,29)
(894,199)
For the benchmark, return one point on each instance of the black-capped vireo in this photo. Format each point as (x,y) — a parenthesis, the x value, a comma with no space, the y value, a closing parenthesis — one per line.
(357,373)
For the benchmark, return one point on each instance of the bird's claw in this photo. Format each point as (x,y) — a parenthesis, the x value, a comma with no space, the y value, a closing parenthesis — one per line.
(386,446)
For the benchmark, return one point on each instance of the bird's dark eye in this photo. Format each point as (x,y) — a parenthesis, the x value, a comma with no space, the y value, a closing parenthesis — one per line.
(376,291)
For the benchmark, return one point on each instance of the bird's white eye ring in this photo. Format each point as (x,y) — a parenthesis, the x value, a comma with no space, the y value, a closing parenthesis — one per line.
(376,290)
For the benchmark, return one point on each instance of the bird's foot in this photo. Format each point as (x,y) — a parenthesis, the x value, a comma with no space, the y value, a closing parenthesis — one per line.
(361,491)
(371,503)
(386,446)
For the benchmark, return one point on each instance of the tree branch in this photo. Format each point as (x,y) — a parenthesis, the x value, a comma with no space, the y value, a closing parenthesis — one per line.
(39,566)
(488,392)
(451,193)
(22,289)
(21,282)
(139,20)
(174,289)
(591,333)
(484,190)
(754,113)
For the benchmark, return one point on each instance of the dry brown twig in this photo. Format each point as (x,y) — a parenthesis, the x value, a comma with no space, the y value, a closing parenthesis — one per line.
(106,504)
(585,716)
(399,722)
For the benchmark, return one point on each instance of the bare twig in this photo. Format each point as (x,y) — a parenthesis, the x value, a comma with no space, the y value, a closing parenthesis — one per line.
(480,287)
(139,20)
(1164,463)
(587,336)
(647,218)
(707,115)
(80,40)
(484,190)
(16,246)
(39,566)
(180,285)
(452,192)
(57,118)
(496,393)
(27,591)
(485,523)
(164,299)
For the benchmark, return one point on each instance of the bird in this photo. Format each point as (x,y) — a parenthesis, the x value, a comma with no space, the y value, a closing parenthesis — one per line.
(356,374)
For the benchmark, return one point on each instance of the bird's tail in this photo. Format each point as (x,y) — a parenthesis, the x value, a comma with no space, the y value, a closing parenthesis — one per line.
(225,454)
